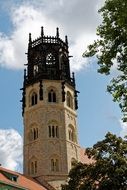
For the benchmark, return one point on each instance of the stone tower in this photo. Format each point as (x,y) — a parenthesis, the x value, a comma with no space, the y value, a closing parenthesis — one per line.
(49,110)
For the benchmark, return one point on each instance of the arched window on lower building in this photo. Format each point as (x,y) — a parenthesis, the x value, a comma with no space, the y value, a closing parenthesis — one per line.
(54,165)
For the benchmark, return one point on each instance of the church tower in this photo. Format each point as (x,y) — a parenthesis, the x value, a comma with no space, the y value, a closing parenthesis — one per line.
(49,107)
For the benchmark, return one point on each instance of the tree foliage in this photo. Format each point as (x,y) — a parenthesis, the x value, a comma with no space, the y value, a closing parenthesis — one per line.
(111,48)
(108,169)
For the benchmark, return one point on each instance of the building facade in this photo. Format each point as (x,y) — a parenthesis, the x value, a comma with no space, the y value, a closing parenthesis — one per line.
(49,107)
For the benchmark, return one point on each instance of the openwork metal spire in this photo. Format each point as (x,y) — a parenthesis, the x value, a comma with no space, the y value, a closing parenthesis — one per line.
(48,58)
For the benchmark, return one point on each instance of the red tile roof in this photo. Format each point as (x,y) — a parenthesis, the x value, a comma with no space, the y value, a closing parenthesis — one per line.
(84,158)
(30,183)
(22,180)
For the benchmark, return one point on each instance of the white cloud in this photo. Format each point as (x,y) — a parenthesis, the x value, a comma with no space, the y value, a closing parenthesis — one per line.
(12,49)
(78,19)
(77,49)
(123,125)
(11,149)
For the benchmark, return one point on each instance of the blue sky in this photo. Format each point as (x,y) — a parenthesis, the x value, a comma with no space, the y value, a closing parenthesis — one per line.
(97,113)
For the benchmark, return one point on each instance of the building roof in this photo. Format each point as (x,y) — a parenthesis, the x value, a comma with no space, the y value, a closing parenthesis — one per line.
(15,179)
(19,180)
(84,158)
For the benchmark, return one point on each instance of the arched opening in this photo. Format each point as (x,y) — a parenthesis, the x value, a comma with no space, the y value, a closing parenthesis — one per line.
(69,100)
(54,165)
(53,131)
(71,133)
(49,131)
(35,69)
(33,166)
(33,99)
(51,96)
(33,132)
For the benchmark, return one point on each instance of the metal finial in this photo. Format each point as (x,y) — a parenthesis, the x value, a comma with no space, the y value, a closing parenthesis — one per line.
(30,38)
(66,40)
(42,31)
(57,32)
(24,73)
(73,74)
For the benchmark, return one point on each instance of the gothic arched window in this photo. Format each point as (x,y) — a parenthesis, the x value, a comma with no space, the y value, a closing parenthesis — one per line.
(51,96)
(53,131)
(71,133)
(33,166)
(33,99)
(50,59)
(33,134)
(69,100)
(37,64)
(35,70)
(54,165)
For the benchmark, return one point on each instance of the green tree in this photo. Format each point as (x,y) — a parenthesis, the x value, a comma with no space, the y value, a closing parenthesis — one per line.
(108,171)
(111,48)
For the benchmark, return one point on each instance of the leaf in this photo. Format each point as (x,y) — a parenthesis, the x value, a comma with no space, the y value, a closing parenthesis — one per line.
(112,45)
